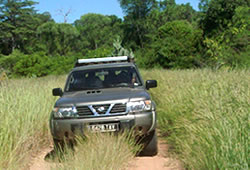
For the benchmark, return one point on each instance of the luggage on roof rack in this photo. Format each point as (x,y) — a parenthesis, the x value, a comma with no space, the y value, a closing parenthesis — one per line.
(83,62)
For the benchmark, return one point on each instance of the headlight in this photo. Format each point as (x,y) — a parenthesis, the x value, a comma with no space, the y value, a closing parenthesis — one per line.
(61,112)
(139,106)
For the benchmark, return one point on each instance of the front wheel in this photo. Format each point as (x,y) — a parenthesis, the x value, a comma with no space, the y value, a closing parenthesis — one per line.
(58,144)
(150,145)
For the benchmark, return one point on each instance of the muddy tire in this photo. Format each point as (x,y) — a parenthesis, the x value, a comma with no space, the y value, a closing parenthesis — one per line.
(150,145)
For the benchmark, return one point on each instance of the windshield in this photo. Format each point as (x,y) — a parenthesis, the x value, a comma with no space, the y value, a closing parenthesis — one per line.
(103,78)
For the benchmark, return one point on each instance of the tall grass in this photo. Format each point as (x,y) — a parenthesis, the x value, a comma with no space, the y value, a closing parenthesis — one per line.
(100,151)
(205,116)
(25,106)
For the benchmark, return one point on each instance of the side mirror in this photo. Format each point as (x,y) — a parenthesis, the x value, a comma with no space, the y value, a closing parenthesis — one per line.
(151,84)
(57,92)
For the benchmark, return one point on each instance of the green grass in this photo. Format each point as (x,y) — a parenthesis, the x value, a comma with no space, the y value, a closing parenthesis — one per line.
(100,151)
(204,115)
(25,106)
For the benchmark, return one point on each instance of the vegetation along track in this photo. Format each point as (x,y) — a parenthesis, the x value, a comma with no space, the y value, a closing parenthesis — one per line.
(200,113)
(159,162)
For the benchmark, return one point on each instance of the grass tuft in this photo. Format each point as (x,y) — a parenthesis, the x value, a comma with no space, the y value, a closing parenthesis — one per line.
(99,151)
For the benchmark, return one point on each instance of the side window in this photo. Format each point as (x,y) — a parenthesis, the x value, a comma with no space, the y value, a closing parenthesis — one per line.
(135,80)
(70,82)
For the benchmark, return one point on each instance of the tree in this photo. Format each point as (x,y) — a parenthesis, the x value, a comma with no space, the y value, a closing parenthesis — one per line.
(226,33)
(219,15)
(64,14)
(203,5)
(97,30)
(134,26)
(172,11)
(44,17)
(230,47)
(57,38)
(16,23)
(175,45)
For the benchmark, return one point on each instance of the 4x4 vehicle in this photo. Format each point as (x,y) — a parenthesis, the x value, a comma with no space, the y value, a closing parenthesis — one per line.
(105,95)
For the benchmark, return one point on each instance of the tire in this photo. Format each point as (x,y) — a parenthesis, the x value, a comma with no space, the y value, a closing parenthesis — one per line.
(58,144)
(150,145)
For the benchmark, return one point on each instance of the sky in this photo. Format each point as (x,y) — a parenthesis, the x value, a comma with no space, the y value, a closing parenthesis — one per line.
(77,8)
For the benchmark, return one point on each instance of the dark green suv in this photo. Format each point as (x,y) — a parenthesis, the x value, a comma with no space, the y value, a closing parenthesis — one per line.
(105,95)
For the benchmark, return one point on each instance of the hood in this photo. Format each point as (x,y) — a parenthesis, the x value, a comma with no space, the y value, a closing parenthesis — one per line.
(103,96)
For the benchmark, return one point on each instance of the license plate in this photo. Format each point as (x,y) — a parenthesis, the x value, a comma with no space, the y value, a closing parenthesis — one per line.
(111,127)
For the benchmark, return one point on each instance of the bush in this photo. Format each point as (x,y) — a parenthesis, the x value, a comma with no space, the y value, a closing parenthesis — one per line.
(99,52)
(36,65)
(8,63)
(174,46)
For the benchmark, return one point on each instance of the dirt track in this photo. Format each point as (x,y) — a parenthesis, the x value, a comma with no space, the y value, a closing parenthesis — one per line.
(39,163)
(158,162)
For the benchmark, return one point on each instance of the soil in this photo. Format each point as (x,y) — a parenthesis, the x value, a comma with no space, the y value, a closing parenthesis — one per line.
(159,162)
(162,161)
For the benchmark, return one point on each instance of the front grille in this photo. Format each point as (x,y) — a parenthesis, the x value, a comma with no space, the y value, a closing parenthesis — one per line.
(101,109)
(83,111)
(118,108)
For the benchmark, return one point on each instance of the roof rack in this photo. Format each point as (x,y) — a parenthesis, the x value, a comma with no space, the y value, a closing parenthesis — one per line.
(84,62)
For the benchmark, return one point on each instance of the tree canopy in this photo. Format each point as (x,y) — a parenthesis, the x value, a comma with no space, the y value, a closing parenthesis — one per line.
(97,30)
(158,33)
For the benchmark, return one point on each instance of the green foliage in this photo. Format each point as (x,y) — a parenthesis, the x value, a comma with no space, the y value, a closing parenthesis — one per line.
(97,30)
(31,66)
(171,11)
(203,5)
(137,8)
(8,62)
(119,50)
(219,15)
(160,33)
(174,46)
(18,23)
(48,33)
(57,38)
(230,47)
(36,65)
(134,26)
(98,53)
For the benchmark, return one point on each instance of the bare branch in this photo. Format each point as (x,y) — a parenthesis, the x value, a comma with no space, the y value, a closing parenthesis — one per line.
(64,14)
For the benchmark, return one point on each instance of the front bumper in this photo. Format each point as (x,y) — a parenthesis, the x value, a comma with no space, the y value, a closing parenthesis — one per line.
(66,129)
